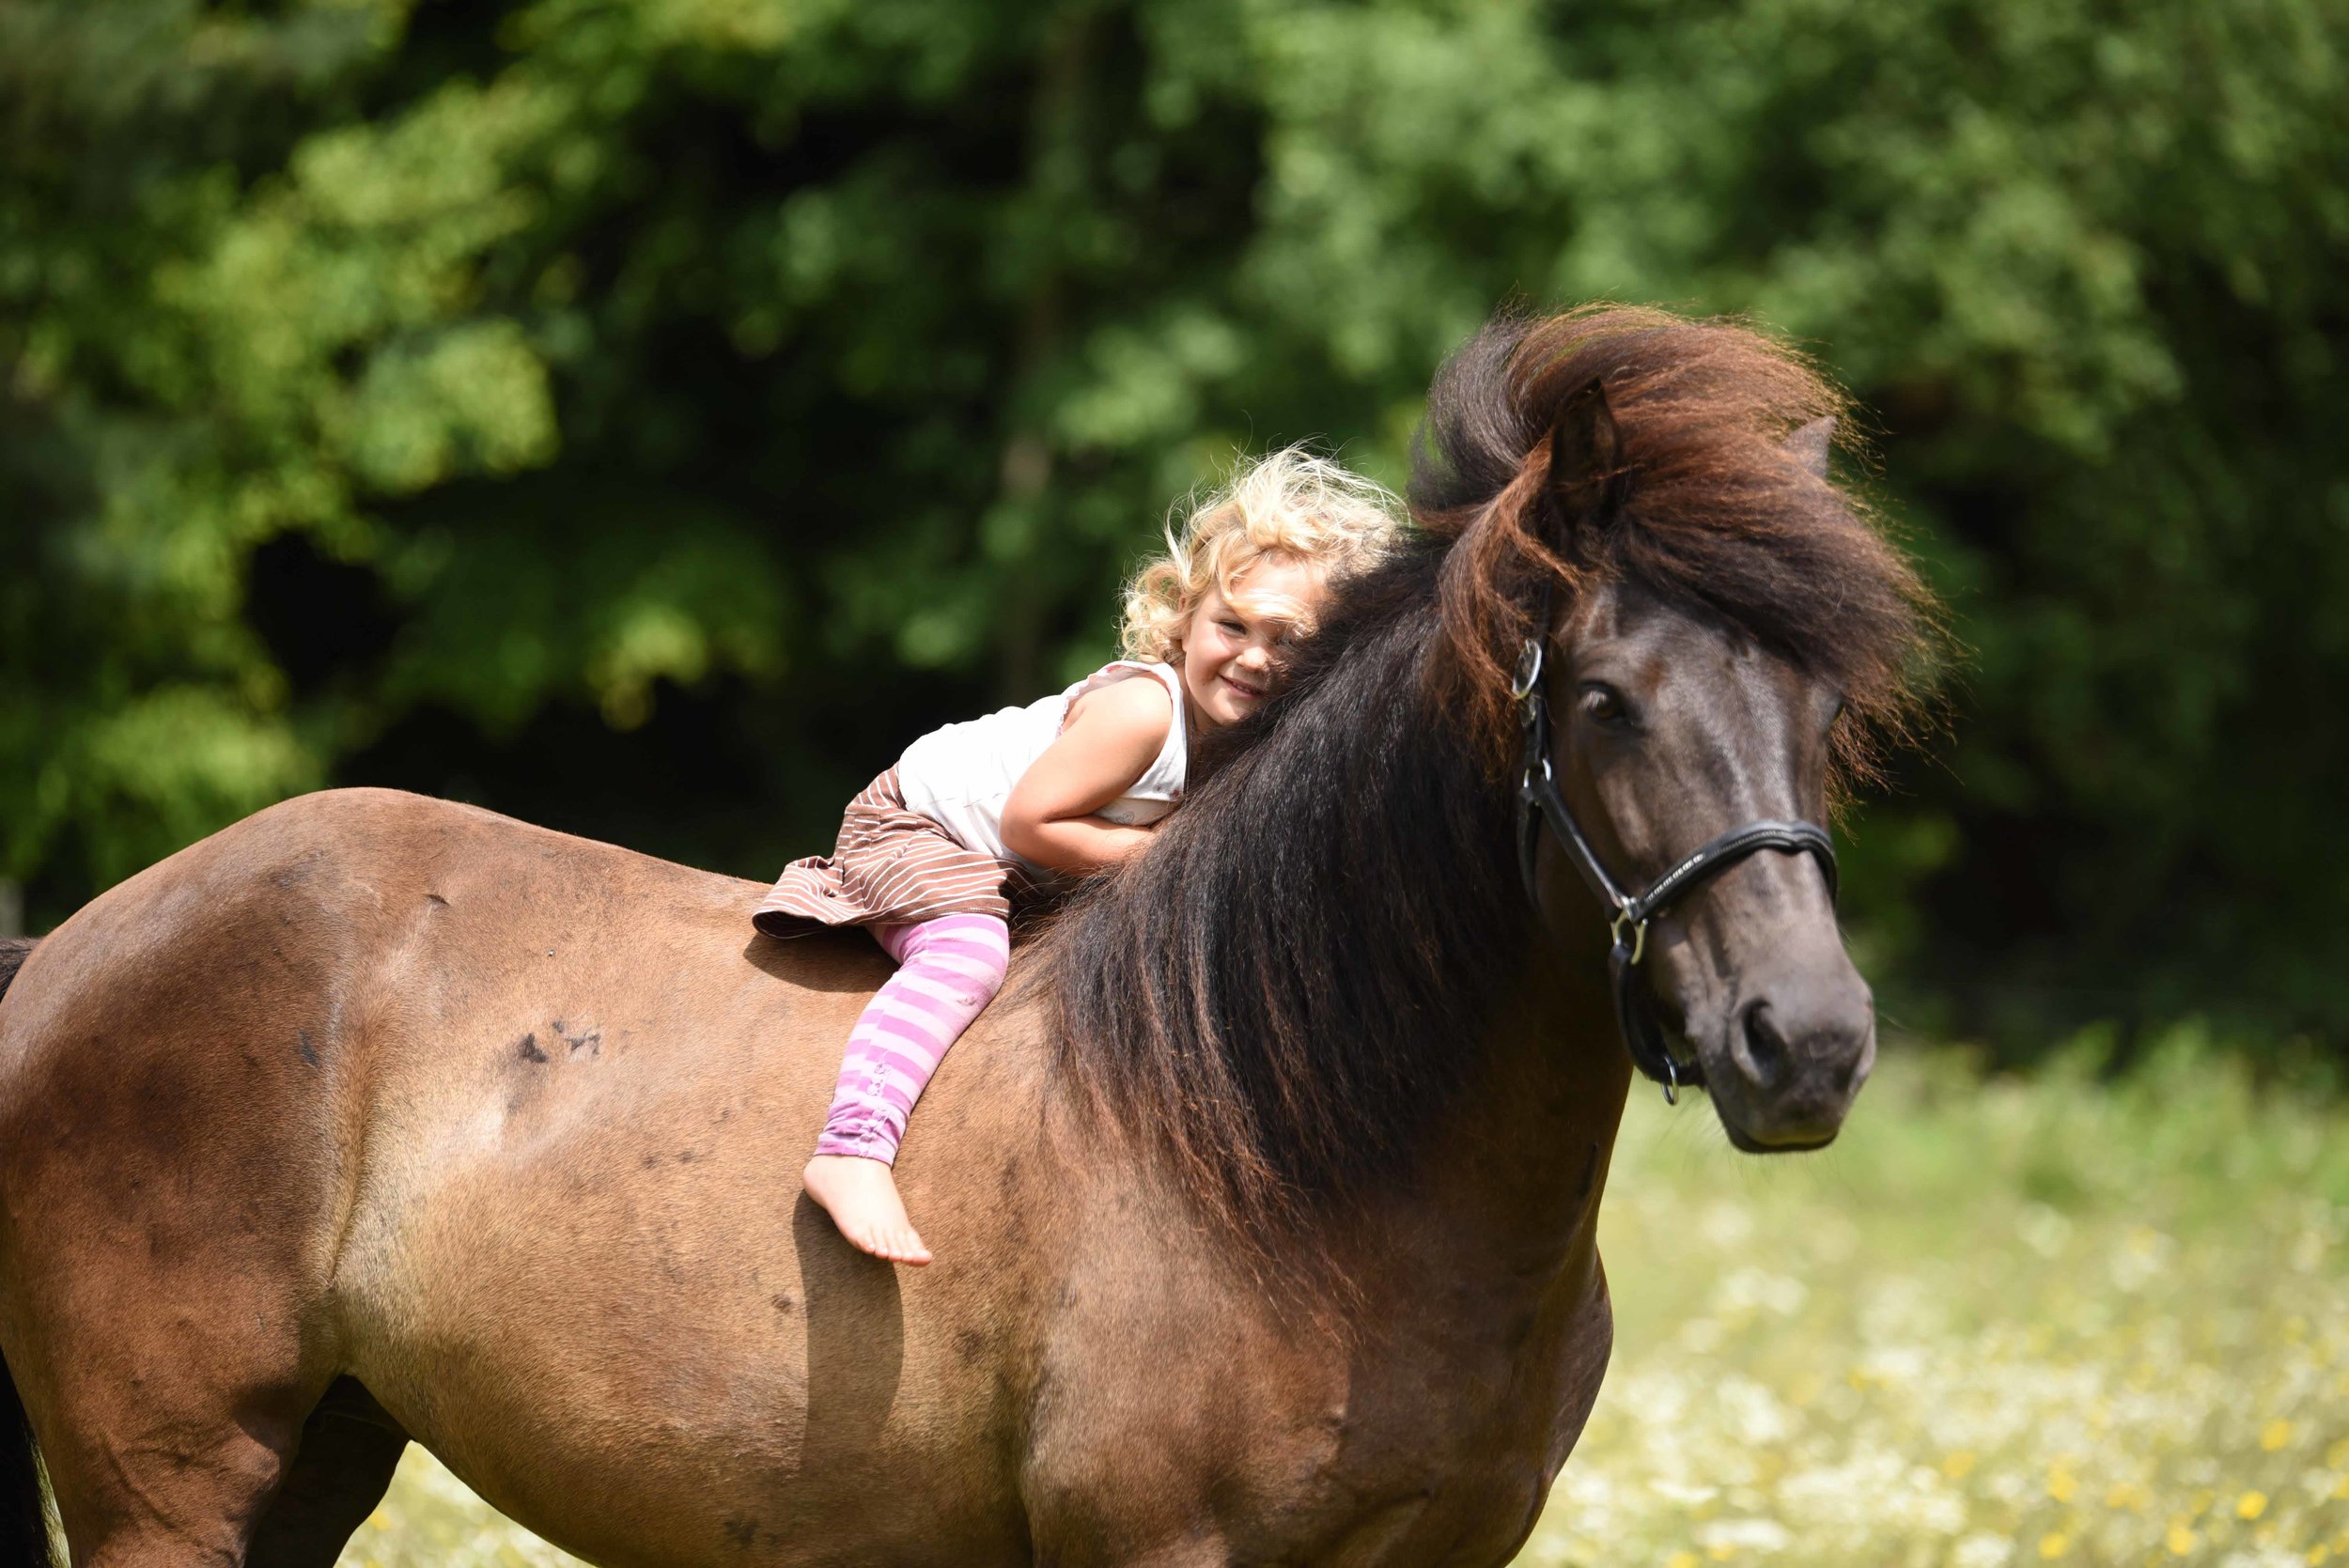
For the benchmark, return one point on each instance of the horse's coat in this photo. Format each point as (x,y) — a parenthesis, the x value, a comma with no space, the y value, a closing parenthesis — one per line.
(374,1117)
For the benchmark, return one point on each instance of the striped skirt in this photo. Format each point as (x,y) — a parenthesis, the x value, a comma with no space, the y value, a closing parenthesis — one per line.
(890,866)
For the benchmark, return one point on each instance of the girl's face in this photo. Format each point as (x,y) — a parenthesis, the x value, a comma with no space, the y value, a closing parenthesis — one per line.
(1233,653)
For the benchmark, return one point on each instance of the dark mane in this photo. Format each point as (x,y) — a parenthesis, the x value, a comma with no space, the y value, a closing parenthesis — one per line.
(1281,991)
(1287,992)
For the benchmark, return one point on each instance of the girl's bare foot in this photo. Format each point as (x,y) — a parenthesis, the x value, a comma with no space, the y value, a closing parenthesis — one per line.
(861,1195)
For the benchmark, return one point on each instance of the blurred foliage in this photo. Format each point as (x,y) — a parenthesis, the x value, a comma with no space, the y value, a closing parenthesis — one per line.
(647,417)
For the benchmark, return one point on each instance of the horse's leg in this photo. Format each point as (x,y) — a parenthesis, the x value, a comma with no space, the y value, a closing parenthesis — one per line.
(168,1401)
(147,1493)
(168,1423)
(180,1088)
(349,1448)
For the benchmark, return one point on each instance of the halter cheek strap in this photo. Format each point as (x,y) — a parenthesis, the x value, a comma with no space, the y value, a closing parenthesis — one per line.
(1539,801)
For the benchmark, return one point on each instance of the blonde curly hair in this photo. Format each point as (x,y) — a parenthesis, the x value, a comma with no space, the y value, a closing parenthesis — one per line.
(1291,505)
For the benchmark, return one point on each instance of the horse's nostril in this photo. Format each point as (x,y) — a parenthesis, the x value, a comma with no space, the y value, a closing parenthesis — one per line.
(1765,1052)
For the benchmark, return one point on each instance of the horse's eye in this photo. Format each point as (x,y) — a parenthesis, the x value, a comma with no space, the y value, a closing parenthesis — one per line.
(1604,703)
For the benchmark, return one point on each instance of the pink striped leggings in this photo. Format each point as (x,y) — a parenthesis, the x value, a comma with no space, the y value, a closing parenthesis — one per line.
(949,968)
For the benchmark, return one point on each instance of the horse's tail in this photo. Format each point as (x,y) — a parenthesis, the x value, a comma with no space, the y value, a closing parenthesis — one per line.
(13,952)
(23,1522)
(24,1525)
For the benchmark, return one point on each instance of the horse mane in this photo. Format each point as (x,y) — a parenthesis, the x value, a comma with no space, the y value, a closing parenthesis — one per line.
(1277,993)
(1289,991)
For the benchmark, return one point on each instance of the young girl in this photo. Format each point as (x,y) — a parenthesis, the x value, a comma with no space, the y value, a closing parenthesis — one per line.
(1003,810)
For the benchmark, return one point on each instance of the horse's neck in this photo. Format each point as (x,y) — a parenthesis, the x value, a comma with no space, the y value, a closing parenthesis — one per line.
(1500,1216)
(1517,1171)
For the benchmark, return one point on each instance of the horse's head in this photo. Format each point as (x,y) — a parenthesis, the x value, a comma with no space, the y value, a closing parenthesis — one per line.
(1673,728)
(1647,501)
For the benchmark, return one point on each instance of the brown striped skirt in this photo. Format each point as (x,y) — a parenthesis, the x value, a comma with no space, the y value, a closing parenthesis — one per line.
(890,866)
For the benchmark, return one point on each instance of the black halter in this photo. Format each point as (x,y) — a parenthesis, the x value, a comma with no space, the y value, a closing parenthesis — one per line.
(1538,798)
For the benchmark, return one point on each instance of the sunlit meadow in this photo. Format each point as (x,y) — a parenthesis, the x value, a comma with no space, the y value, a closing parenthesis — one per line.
(2004,1322)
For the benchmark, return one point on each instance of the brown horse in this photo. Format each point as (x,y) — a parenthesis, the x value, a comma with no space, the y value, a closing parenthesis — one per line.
(1264,1203)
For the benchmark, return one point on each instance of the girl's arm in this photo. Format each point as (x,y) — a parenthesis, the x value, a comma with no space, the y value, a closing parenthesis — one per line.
(1111,737)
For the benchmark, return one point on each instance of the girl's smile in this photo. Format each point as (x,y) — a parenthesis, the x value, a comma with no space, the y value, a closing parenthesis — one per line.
(1232,652)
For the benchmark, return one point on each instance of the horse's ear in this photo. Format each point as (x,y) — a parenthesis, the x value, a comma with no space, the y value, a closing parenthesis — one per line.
(1811,444)
(1586,461)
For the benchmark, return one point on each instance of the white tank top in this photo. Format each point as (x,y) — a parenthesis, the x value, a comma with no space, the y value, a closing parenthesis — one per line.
(960,776)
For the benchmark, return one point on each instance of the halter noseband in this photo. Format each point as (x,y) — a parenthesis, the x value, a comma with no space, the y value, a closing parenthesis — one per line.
(1539,801)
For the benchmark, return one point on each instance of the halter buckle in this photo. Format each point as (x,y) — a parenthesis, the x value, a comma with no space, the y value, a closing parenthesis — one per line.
(1672,1079)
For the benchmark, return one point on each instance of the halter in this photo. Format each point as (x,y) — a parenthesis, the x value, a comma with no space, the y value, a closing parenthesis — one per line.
(1539,801)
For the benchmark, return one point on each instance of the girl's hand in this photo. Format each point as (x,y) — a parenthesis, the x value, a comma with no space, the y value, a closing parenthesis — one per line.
(1109,739)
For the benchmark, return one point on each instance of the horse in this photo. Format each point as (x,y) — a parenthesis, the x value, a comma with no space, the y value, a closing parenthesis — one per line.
(1264,1199)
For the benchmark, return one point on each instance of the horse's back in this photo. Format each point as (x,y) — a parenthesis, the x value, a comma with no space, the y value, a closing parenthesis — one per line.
(316,892)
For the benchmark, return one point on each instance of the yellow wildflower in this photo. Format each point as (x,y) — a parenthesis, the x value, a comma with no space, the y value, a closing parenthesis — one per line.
(2052,1544)
(2180,1538)
(1958,1464)
(2250,1505)
(2275,1436)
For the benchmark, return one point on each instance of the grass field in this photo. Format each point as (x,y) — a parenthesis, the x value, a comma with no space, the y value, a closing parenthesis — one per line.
(2000,1322)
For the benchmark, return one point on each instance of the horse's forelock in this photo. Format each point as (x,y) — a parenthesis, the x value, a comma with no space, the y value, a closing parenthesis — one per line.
(1718,511)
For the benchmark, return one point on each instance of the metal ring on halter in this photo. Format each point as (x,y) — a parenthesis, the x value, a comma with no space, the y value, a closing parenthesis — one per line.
(1529,671)
(1638,932)
(1548,777)
(1672,1079)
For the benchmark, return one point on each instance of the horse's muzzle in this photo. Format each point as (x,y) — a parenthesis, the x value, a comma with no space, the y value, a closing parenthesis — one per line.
(1794,1056)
